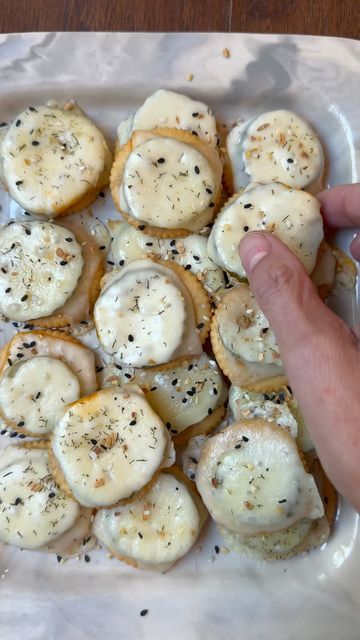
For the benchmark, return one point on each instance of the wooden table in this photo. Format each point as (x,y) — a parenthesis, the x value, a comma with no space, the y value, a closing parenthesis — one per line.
(320,17)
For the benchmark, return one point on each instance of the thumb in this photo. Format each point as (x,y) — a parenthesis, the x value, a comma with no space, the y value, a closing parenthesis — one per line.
(285,292)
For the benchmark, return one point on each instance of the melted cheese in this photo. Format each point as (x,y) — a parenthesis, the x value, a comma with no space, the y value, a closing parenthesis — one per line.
(145,316)
(129,244)
(109,445)
(270,546)
(291,215)
(34,511)
(243,408)
(277,146)
(154,530)
(168,183)
(52,158)
(170,109)
(35,390)
(32,344)
(244,329)
(251,478)
(40,264)
(182,396)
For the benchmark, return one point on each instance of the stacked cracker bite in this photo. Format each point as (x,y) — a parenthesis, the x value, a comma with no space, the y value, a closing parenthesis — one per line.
(99,442)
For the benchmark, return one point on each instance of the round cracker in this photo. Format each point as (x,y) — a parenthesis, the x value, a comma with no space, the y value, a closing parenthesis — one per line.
(62,317)
(236,369)
(118,167)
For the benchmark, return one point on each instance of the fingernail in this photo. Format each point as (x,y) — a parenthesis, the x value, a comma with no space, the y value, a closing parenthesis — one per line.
(253,248)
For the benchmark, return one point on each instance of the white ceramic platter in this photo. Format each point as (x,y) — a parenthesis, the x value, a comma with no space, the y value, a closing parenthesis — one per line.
(206,596)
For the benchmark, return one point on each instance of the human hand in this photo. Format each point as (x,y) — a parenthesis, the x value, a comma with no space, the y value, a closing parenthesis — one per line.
(321,355)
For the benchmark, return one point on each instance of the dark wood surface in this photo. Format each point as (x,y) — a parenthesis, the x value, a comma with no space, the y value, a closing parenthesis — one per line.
(320,17)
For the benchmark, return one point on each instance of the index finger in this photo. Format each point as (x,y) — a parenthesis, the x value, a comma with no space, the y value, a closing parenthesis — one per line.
(340,206)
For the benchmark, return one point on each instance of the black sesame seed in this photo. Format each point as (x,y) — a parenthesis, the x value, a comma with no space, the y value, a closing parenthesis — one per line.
(184,400)
(21,423)
(290,160)
(28,232)
(68,239)
(52,495)
(210,411)
(144,612)
(140,535)
(63,263)
(13,434)
(149,244)
(168,425)
(3,432)
(18,501)
(246,228)
(153,388)
(175,252)
(212,204)
(17,123)
(187,267)
(19,182)
(247,205)
(282,501)
(265,330)
(161,160)
(128,376)
(172,243)
(98,369)
(200,325)
(208,190)
(238,446)
(3,270)
(25,297)
(93,441)
(197,170)
(121,263)
(141,227)
(102,248)
(195,115)
(58,558)
(215,391)
(217,549)
(190,367)
(85,322)
(33,109)
(132,423)
(130,338)
(194,133)
(32,344)
(8,290)
(245,439)
(196,258)
(35,143)
(111,263)
(102,194)
(118,366)
(192,476)
(87,558)
(174,382)
(174,431)
(22,435)
(19,355)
